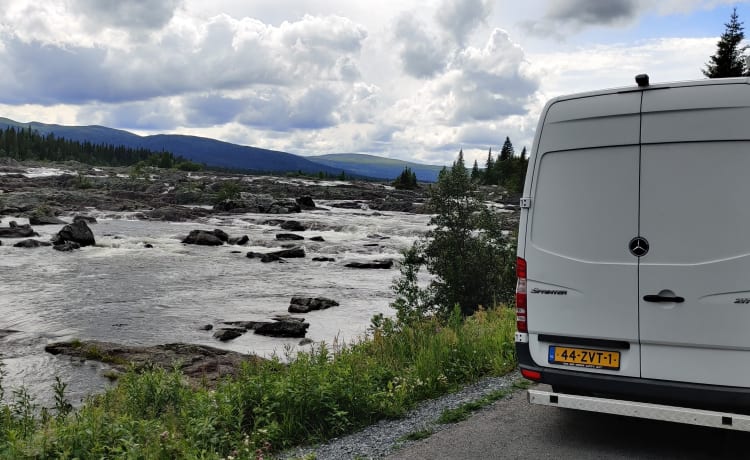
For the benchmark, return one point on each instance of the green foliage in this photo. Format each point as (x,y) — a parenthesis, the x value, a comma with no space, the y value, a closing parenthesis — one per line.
(470,258)
(268,406)
(508,171)
(729,60)
(407,180)
(230,190)
(465,410)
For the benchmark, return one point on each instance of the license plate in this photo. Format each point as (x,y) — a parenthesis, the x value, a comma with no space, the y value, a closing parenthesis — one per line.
(584,357)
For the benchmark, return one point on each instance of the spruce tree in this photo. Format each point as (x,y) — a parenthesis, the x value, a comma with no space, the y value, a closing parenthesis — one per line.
(729,60)
(475,173)
(489,169)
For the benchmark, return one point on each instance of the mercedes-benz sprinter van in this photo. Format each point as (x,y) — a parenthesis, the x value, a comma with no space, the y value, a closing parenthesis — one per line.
(634,252)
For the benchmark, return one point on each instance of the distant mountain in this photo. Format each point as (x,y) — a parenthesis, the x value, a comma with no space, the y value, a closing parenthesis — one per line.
(198,149)
(375,166)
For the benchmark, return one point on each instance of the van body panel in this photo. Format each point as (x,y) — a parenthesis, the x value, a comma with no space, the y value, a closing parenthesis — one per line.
(595,121)
(582,282)
(695,215)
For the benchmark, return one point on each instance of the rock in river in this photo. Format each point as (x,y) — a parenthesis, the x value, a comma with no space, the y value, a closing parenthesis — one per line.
(289,237)
(229,333)
(17,231)
(205,238)
(31,244)
(284,328)
(197,362)
(77,232)
(293,226)
(386,263)
(45,220)
(306,304)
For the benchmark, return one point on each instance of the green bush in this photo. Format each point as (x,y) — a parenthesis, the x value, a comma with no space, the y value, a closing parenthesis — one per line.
(268,406)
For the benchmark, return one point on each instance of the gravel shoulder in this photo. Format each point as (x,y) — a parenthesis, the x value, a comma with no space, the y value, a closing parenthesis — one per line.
(387,437)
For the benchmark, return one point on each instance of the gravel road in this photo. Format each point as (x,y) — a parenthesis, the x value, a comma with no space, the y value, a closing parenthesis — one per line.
(511,428)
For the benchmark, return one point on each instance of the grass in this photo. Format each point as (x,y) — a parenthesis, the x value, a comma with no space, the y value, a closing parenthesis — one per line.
(416,435)
(464,411)
(269,406)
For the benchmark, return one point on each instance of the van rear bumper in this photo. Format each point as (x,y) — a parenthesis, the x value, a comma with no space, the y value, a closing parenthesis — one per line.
(698,396)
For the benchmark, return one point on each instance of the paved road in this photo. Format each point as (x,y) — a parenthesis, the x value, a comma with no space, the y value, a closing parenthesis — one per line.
(514,429)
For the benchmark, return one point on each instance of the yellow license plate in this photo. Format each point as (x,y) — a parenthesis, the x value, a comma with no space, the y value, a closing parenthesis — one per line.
(584,357)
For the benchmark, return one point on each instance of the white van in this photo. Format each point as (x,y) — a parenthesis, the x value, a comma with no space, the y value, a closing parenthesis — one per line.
(634,253)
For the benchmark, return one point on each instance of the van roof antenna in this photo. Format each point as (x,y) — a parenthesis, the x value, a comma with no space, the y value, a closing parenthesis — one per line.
(642,80)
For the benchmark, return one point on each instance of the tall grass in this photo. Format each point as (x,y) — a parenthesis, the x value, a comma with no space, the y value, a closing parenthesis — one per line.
(319,394)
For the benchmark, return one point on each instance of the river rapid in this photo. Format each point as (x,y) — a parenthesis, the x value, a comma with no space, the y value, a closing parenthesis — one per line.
(122,291)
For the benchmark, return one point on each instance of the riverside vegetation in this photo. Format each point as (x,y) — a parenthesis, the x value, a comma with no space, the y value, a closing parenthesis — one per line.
(440,339)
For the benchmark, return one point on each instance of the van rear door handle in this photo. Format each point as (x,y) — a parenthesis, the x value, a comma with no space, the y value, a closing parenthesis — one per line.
(662,298)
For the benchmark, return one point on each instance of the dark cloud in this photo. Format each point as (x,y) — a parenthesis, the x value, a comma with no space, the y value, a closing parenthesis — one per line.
(569,16)
(460,17)
(127,14)
(422,55)
(593,12)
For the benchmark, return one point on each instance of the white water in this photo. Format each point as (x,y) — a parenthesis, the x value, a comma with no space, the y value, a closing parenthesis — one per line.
(123,292)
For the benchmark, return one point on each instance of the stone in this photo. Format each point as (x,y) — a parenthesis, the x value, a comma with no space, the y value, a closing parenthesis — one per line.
(203,238)
(45,220)
(306,202)
(77,232)
(87,219)
(241,241)
(31,244)
(66,246)
(283,329)
(293,226)
(289,237)
(206,327)
(323,259)
(305,341)
(221,234)
(17,231)
(225,334)
(276,256)
(148,246)
(317,238)
(384,264)
(307,304)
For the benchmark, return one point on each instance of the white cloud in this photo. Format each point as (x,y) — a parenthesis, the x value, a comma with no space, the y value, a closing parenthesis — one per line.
(460,17)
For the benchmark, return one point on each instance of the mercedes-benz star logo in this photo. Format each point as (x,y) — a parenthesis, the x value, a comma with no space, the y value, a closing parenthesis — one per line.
(638,246)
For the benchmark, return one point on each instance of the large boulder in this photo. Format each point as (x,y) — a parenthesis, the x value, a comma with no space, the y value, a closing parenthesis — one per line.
(17,231)
(306,202)
(306,304)
(204,238)
(77,232)
(31,244)
(386,263)
(283,328)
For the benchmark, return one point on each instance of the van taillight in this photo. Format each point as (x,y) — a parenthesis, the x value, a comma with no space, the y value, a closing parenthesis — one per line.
(521,296)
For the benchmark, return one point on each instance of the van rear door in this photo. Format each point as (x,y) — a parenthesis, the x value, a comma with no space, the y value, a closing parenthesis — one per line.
(695,214)
(581,278)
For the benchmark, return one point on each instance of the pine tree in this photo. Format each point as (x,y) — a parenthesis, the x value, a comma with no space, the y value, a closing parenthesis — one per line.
(489,169)
(507,152)
(475,173)
(729,60)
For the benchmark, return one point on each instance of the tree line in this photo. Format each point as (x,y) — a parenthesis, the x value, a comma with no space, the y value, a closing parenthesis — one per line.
(507,170)
(27,144)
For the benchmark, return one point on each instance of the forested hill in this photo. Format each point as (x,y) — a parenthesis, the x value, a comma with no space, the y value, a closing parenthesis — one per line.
(197,149)
(375,166)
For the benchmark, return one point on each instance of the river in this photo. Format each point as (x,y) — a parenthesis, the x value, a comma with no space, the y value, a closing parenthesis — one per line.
(122,291)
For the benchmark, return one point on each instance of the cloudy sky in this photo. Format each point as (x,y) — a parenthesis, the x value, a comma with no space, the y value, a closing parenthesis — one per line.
(410,79)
